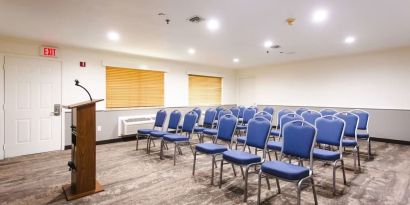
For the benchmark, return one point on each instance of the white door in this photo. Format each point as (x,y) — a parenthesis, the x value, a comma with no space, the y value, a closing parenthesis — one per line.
(32,88)
(247,91)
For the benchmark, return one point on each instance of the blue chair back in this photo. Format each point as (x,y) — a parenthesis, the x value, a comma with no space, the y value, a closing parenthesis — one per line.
(299,111)
(224,112)
(218,109)
(265,115)
(189,122)
(174,119)
(298,139)
(310,116)
(160,118)
(351,121)
(235,111)
(327,111)
(227,126)
(254,107)
(269,110)
(248,114)
(198,111)
(257,132)
(363,119)
(288,118)
(282,113)
(330,130)
(210,115)
(241,110)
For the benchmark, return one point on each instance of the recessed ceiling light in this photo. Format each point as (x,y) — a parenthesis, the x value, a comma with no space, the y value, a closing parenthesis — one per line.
(191,51)
(268,44)
(236,60)
(113,36)
(212,24)
(350,39)
(320,16)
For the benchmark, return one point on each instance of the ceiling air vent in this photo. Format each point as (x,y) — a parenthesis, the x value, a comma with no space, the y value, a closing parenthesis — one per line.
(195,19)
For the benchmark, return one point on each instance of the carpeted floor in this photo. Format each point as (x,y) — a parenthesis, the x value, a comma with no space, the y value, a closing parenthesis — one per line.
(133,177)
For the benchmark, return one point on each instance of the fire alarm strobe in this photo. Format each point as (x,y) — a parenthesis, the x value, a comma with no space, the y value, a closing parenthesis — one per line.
(82,64)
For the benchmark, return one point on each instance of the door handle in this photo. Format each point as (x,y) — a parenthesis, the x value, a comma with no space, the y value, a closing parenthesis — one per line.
(57,110)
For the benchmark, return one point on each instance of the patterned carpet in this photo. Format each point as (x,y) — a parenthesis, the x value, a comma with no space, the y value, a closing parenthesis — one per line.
(133,177)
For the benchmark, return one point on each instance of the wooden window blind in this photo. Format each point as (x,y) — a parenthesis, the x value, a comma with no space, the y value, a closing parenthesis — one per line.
(205,90)
(134,88)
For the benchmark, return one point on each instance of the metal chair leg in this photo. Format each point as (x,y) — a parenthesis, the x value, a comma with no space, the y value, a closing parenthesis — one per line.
(175,152)
(220,173)
(213,169)
(358,158)
(369,149)
(343,170)
(298,185)
(267,182)
(245,198)
(278,185)
(314,190)
(243,176)
(259,187)
(148,144)
(193,167)
(334,177)
(234,171)
(136,146)
(161,150)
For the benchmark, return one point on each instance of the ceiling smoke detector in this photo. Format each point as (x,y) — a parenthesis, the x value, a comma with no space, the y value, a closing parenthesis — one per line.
(195,19)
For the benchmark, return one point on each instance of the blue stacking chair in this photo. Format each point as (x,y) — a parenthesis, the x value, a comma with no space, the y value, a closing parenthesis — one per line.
(298,141)
(198,111)
(310,116)
(327,111)
(350,134)
(235,111)
(173,123)
(269,110)
(330,131)
(212,132)
(256,136)
(218,109)
(248,114)
(254,107)
(242,139)
(276,132)
(226,130)
(363,126)
(299,111)
(241,110)
(276,146)
(210,115)
(180,139)
(160,118)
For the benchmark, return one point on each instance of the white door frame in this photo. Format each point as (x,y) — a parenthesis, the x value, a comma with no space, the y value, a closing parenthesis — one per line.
(2,99)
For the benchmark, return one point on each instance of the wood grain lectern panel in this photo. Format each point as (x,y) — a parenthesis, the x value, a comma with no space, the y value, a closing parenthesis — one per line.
(83,151)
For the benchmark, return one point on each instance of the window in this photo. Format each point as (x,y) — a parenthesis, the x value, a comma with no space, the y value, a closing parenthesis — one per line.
(134,88)
(205,90)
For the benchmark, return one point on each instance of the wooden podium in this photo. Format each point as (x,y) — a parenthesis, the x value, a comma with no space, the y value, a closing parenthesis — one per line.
(82,164)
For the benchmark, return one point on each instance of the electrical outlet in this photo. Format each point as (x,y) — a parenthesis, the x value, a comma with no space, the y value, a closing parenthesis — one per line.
(99,128)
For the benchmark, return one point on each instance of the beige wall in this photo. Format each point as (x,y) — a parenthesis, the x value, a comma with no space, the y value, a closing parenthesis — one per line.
(93,76)
(371,80)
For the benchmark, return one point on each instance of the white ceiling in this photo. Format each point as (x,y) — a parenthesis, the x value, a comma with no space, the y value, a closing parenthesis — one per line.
(245,25)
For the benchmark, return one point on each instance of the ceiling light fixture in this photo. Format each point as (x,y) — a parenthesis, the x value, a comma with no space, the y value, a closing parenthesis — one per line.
(236,60)
(113,36)
(191,51)
(268,44)
(212,24)
(350,40)
(320,16)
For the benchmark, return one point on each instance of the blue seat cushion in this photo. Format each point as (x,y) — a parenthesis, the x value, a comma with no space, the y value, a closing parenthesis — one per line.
(199,129)
(241,139)
(210,148)
(275,145)
(175,138)
(275,132)
(325,154)
(158,133)
(210,131)
(241,127)
(349,143)
(362,135)
(285,170)
(239,157)
(145,131)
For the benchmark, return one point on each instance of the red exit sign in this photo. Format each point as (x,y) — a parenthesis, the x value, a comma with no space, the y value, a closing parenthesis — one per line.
(48,51)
